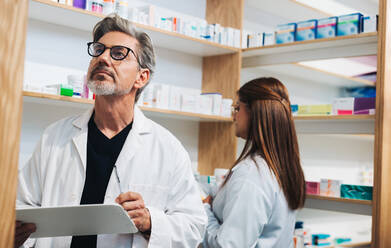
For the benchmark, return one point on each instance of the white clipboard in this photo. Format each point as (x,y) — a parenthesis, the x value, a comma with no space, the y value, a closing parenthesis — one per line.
(77,220)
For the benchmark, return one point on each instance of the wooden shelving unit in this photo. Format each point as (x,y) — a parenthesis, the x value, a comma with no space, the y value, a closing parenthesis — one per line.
(221,71)
(282,60)
(338,199)
(85,103)
(334,117)
(350,206)
(75,18)
(307,74)
(337,47)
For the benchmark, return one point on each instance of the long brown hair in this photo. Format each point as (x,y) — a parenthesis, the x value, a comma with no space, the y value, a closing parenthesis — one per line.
(272,135)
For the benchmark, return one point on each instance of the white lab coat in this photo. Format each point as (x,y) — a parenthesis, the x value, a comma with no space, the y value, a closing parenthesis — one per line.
(152,162)
(250,211)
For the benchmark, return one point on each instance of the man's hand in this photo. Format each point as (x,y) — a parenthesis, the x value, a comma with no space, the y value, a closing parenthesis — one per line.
(133,203)
(208,200)
(22,232)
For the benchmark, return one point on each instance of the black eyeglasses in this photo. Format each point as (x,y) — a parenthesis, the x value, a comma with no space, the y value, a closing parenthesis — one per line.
(235,108)
(95,49)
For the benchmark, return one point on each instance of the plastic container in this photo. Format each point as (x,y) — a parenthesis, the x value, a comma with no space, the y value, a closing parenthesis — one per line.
(77,83)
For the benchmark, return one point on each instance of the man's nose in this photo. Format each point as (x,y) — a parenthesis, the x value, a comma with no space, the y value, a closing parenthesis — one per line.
(105,57)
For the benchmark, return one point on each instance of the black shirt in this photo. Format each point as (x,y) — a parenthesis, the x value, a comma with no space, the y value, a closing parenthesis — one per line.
(102,153)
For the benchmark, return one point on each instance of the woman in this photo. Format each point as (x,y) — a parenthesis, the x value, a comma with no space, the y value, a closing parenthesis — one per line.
(255,206)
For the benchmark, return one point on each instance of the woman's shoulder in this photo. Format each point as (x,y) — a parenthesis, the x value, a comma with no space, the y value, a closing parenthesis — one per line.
(254,170)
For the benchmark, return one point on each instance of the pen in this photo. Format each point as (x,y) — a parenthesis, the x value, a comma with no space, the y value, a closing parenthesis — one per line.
(116,175)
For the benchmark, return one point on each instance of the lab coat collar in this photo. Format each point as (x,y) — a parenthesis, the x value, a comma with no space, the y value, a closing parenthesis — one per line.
(141,125)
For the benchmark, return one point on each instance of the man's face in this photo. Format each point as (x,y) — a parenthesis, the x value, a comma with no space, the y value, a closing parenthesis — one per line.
(107,76)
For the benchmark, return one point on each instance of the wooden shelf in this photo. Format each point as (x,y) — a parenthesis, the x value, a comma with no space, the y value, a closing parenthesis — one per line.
(338,199)
(335,124)
(352,206)
(334,117)
(337,47)
(151,112)
(306,74)
(350,244)
(61,14)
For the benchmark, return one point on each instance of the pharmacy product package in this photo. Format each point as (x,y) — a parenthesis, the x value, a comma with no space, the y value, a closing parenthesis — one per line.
(306,30)
(285,33)
(349,24)
(327,27)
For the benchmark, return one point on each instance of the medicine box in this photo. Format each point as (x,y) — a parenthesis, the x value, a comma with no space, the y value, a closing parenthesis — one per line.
(285,33)
(327,27)
(294,109)
(321,109)
(364,105)
(370,24)
(306,30)
(269,39)
(343,106)
(349,24)
(358,192)
(330,187)
(312,188)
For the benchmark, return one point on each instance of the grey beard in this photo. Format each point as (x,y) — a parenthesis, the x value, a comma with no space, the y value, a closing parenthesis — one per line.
(106,89)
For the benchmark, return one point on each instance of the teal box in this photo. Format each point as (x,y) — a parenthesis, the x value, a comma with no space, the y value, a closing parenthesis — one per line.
(357,192)
(349,24)
(285,33)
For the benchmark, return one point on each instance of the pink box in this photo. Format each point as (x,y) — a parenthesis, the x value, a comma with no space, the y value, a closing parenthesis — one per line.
(312,188)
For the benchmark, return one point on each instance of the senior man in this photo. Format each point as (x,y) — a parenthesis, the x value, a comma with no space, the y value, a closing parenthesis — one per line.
(113,153)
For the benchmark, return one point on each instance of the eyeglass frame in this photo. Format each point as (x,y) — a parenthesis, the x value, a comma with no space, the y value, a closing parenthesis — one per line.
(111,55)
(235,108)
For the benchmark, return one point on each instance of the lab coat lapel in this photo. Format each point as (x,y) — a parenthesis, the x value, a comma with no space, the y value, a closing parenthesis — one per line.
(80,138)
(141,126)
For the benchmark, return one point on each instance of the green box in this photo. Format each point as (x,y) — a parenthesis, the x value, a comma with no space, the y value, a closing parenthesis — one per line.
(66,90)
(358,192)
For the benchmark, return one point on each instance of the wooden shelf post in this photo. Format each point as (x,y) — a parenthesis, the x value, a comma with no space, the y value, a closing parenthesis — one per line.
(13,23)
(381,219)
(217,142)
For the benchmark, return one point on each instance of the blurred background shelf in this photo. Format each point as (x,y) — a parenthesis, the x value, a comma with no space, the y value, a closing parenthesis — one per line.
(351,206)
(49,99)
(61,14)
(337,47)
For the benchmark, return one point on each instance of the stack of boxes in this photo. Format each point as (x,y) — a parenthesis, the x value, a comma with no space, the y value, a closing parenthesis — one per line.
(340,106)
(164,96)
(312,29)
(186,25)
(335,188)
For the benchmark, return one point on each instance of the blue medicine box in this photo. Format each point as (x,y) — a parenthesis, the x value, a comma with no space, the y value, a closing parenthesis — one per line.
(327,27)
(349,24)
(306,30)
(285,33)
(294,108)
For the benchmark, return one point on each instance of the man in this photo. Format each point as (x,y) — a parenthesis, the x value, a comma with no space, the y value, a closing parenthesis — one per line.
(113,153)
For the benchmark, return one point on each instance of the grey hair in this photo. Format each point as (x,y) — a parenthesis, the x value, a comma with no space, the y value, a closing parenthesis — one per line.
(145,54)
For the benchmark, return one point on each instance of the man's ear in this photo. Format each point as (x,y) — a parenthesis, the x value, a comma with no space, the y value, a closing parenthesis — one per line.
(142,78)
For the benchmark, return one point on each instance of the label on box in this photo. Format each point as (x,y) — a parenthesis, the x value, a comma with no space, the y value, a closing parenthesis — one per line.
(306,30)
(349,24)
(327,28)
(369,24)
(285,33)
